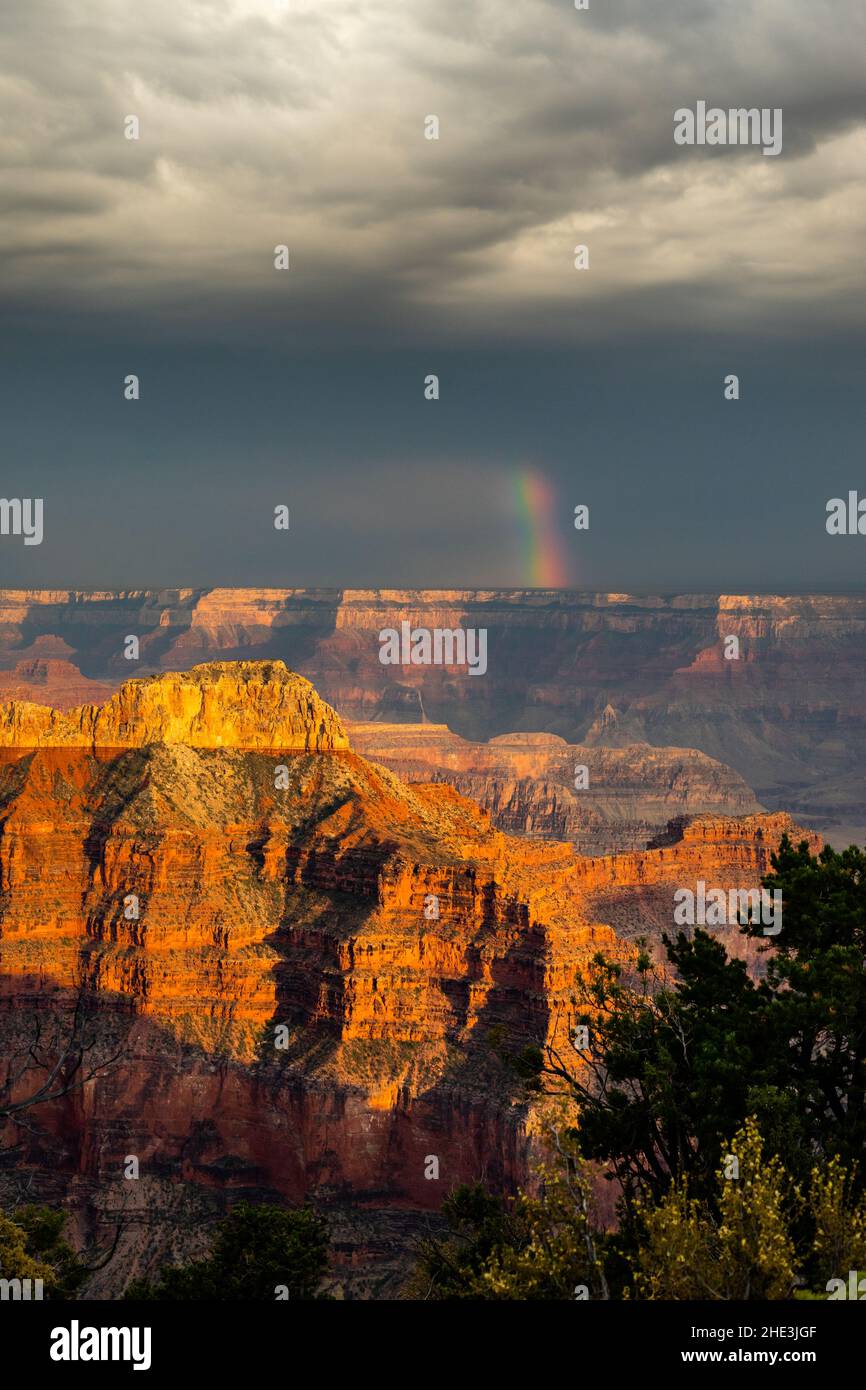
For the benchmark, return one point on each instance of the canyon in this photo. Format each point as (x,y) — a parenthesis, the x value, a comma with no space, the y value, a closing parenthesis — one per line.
(599,799)
(241,896)
(598,670)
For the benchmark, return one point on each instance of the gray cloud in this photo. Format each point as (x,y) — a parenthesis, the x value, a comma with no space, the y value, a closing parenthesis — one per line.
(267,122)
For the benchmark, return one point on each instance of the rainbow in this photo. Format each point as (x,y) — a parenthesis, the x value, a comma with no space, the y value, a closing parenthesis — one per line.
(546,566)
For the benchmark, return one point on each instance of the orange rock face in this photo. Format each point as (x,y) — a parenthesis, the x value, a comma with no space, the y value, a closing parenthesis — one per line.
(242,704)
(635,892)
(310,968)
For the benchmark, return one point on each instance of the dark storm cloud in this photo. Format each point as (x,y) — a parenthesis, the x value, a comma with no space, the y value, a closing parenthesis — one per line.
(301,122)
(267,122)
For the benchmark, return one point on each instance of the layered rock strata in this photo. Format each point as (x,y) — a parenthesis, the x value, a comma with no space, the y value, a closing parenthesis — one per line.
(600,799)
(309,974)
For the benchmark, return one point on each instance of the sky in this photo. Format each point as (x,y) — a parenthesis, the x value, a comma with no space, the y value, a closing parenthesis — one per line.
(274,122)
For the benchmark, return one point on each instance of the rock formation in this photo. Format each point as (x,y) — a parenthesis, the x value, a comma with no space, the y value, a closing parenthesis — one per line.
(243,704)
(635,892)
(312,971)
(210,895)
(599,669)
(528,782)
(52,681)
